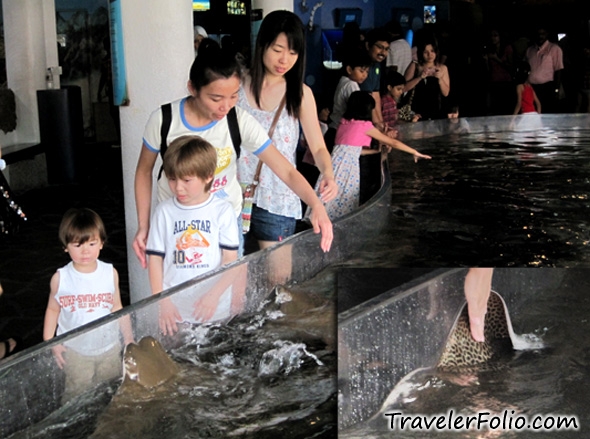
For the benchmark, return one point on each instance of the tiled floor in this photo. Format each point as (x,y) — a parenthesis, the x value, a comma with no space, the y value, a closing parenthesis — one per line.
(29,258)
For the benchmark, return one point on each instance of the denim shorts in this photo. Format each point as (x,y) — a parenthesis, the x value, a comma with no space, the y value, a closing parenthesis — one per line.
(266,226)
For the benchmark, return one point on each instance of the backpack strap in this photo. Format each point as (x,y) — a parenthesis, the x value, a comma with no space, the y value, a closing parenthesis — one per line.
(164,129)
(234,130)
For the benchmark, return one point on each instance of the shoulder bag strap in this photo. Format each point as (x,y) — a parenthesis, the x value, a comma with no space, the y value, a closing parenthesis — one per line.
(271,131)
(411,96)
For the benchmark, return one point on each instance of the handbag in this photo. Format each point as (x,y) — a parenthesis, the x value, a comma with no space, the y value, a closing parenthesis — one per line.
(249,190)
(405,112)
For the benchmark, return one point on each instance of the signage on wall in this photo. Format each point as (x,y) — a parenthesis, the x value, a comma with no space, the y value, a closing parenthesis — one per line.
(236,7)
(118,54)
(201,6)
(347,15)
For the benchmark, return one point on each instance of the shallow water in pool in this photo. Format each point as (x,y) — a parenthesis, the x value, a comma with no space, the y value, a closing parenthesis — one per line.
(496,199)
(265,375)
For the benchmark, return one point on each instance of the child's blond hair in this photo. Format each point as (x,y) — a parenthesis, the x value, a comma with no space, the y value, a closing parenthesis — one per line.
(190,156)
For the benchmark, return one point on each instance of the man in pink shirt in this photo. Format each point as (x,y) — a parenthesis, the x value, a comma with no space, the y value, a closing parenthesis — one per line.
(546,61)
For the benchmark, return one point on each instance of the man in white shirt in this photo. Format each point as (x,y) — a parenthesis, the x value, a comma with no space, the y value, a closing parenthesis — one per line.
(399,56)
(546,61)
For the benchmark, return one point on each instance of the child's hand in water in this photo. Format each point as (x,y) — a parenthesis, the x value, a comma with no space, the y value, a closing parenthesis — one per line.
(58,352)
(418,155)
(169,315)
(204,308)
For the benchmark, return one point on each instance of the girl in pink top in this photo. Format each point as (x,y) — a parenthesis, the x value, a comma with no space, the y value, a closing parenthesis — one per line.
(353,138)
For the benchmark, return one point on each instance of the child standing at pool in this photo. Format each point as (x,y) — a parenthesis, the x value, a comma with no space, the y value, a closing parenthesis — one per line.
(353,138)
(526,98)
(81,292)
(356,69)
(395,84)
(191,233)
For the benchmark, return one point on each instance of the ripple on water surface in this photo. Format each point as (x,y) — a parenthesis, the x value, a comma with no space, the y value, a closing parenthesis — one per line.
(503,199)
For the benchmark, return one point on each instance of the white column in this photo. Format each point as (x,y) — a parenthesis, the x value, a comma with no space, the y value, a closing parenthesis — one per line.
(158,41)
(50,31)
(24,39)
(272,5)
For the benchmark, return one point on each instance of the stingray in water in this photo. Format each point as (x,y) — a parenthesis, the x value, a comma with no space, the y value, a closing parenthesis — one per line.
(462,357)
(147,363)
(226,385)
(150,379)
(305,316)
(462,351)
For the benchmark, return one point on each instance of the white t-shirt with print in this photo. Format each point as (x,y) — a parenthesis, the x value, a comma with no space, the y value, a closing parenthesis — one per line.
(191,238)
(225,184)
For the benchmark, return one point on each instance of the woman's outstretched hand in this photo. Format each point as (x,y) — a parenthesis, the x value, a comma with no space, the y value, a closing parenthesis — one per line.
(321,224)
(139,245)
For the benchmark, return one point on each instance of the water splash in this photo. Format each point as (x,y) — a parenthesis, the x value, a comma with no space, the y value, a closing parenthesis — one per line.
(284,359)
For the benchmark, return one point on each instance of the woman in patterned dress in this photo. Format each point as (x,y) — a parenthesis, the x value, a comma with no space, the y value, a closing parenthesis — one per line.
(277,70)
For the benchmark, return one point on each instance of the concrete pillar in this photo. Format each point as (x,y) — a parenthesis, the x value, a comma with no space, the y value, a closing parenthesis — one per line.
(272,5)
(158,43)
(26,38)
(50,39)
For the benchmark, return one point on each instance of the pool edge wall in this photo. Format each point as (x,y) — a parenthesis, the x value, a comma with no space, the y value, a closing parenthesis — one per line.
(31,384)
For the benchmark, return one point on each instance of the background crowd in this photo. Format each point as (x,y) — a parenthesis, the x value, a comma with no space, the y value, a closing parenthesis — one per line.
(480,75)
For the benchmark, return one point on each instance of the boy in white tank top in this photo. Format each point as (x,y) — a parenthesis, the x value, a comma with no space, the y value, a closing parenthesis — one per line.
(80,292)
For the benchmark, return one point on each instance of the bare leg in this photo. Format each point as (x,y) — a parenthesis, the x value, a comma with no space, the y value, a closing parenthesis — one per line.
(478,284)
(266,244)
